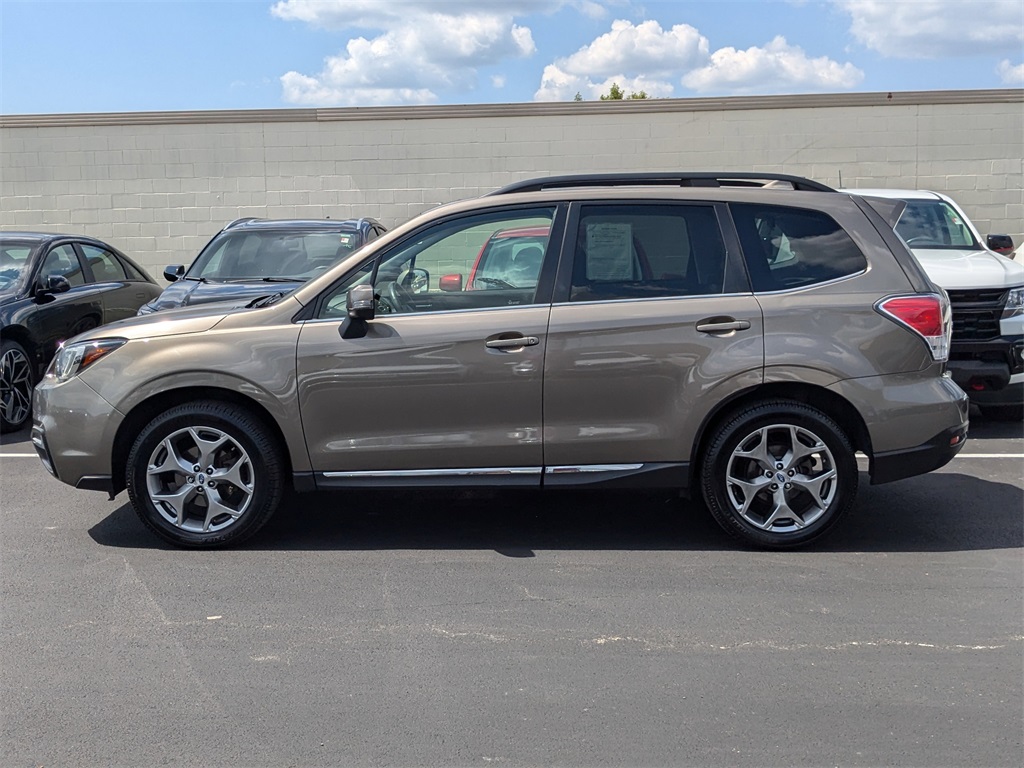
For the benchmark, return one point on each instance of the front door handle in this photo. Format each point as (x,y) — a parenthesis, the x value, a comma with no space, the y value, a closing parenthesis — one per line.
(513,343)
(722,325)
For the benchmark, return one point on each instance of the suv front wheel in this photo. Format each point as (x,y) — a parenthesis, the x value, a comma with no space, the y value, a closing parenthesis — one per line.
(205,474)
(778,474)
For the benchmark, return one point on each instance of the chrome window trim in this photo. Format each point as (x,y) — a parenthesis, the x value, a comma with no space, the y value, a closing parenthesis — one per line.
(809,286)
(384,316)
(653,298)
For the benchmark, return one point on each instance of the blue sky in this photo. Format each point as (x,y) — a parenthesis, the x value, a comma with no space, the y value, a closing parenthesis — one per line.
(142,55)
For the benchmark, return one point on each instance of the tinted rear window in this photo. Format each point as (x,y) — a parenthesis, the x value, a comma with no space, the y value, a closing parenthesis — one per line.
(794,247)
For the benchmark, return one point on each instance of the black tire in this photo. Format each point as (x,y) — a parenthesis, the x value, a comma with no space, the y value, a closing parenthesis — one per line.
(804,498)
(1003,412)
(244,463)
(16,382)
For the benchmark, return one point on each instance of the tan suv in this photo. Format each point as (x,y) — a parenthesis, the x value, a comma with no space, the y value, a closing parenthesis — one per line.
(736,336)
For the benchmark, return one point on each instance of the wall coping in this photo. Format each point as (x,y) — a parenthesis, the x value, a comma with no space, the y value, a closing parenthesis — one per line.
(527,109)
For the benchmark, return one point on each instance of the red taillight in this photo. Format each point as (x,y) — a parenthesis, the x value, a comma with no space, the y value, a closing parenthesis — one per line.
(926,314)
(922,313)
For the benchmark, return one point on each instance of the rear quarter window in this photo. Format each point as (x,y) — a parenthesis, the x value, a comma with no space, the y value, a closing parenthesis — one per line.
(789,248)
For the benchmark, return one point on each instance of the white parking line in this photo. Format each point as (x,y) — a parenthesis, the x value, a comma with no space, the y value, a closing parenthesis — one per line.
(19,455)
(990,455)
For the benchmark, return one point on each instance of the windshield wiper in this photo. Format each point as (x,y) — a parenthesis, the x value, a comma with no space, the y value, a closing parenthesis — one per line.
(284,279)
(264,301)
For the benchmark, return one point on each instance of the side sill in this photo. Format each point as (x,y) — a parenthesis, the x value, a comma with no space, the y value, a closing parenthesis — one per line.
(654,475)
(660,475)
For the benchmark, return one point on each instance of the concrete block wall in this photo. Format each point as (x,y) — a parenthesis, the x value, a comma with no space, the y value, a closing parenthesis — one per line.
(159,185)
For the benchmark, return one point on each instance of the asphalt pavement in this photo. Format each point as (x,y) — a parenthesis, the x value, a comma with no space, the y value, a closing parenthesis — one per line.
(568,629)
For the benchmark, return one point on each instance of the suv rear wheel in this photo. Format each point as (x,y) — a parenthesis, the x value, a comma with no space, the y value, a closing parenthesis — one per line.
(779,474)
(205,474)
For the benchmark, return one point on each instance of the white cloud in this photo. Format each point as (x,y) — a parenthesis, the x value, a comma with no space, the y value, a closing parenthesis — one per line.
(777,67)
(649,54)
(931,29)
(423,47)
(1010,74)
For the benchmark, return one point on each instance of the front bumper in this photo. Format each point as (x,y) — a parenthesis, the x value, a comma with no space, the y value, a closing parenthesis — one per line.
(73,432)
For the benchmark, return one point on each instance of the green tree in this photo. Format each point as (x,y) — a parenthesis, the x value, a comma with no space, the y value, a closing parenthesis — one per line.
(617,94)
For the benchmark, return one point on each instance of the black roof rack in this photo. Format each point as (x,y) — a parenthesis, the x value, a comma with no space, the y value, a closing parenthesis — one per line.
(698,179)
(239,222)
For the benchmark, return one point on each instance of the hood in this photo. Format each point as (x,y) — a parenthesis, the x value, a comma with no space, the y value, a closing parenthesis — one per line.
(188,293)
(969,269)
(171,322)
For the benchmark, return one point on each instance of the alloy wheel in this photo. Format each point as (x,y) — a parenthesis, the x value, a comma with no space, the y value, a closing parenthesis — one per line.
(15,386)
(781,478)
(200,479)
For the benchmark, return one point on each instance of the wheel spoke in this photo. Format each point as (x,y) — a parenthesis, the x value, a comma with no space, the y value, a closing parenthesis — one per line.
(215,508)
(759,453)
(176,500)
(172,461)
(813,486)
(750,490)
(207,448)
(233,475)
(798,449)
(782,511)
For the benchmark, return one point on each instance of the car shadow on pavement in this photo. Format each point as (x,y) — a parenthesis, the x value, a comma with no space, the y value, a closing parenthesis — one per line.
(937,512)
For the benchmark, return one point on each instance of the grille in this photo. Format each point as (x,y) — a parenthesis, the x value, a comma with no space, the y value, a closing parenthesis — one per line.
(976,313)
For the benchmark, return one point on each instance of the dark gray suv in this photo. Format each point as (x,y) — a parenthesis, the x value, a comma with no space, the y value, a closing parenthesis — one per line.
(739,337)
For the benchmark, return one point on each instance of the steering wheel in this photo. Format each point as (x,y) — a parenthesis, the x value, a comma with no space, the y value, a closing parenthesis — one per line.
(924,239)
(398,296)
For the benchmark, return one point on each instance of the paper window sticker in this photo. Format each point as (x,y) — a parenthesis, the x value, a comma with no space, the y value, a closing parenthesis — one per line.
(609,251)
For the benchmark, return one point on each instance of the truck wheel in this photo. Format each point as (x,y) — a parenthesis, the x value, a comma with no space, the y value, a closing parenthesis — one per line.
(779,474)
(205,474)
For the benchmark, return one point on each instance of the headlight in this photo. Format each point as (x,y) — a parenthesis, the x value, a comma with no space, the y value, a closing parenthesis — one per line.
(1014,303)
(72,359)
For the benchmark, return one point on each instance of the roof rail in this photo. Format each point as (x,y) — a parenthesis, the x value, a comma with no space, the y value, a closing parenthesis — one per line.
(237,222)
(698,179)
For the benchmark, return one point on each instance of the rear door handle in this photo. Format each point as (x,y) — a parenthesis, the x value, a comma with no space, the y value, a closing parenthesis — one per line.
(513,343)
(722,325)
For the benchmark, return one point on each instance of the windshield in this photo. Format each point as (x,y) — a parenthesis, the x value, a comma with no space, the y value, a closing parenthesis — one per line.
(294,255)
(15,262)
(934,224)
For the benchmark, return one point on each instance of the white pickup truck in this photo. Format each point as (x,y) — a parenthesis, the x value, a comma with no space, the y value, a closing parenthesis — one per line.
(986,290)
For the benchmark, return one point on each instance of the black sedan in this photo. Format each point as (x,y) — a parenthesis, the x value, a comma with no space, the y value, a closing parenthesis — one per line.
(53,287)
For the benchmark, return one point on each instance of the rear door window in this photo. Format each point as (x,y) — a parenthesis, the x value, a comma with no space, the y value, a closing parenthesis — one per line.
(105,266)
(794,247)
(631,251)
